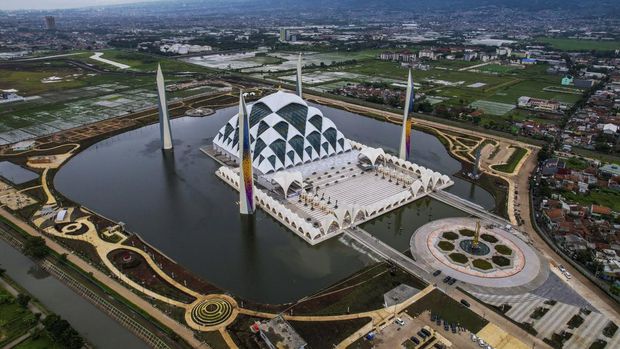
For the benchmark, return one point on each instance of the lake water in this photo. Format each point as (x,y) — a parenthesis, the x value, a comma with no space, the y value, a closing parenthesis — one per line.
(177,204)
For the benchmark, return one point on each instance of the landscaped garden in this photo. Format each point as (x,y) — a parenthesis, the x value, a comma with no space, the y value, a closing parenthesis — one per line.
(575,322)
(450,235)
(482,264)
(15,319)
(500,261)
(489,238)
(467,232)
(445,245)
(503,249)
(458,258)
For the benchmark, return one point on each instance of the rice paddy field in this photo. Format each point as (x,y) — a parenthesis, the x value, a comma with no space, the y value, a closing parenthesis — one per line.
(492,108)
(566,44)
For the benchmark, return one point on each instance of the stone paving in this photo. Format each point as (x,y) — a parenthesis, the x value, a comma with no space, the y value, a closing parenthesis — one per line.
(526,276)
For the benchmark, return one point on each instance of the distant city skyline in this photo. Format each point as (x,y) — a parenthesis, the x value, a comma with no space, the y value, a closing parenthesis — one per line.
(59,4)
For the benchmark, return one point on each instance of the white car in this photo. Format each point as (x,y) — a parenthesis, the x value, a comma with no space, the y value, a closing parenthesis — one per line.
(482,343)
(399,321)
(561,267)
(474,338)
(568,275)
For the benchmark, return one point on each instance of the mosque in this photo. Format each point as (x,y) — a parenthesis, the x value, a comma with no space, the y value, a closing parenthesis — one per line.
(287,158)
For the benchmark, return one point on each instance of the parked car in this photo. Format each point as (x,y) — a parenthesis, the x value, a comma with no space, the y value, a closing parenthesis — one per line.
(447,279)
(438,322)
(465,303)
(445,326)
(426,332)
(399,321)
(422,335)
(473,337)
(568,275)
(415,339)
(452,281)
(437,272)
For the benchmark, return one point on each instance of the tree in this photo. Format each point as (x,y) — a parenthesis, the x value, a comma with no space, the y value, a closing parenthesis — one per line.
(35,247)
(61,331)
(23,300)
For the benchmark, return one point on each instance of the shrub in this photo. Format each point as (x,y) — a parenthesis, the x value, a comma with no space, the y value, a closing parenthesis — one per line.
(482,264)
(575,322)
(488,238)
(458,257)
(450,235)
(500,261)
(467,232)
(503,249)
(445,245)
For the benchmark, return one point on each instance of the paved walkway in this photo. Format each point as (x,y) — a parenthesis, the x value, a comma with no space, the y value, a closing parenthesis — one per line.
(147,307)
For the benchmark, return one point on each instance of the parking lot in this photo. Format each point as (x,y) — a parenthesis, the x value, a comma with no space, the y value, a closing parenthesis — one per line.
(399,336)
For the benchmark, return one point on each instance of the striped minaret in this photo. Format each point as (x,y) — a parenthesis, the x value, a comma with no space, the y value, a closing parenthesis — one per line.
(246,179)
(405,141)
(164,120)
(299,76)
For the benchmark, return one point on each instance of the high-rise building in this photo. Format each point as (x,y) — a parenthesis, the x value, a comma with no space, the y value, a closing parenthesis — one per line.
(50,23)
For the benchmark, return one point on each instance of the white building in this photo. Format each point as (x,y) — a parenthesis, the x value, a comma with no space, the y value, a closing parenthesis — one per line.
(286,132)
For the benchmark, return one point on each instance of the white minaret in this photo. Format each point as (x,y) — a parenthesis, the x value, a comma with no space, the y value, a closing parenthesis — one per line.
(246,178)
(299,76)
(164,120)
(405,140)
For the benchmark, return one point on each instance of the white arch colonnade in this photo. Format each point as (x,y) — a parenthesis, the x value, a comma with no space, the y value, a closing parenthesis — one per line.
(422,181)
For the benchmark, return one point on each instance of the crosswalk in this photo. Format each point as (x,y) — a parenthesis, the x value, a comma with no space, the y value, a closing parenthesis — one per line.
(555,320)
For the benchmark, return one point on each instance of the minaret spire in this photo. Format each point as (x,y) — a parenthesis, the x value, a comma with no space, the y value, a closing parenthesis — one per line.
(164,120)
(299,76)
(405,141)
(246,178)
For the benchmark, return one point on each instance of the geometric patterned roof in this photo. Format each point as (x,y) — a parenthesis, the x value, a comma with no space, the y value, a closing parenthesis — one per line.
(284,132)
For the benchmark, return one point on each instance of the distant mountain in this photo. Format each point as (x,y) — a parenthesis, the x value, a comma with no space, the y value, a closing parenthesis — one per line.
(533,5)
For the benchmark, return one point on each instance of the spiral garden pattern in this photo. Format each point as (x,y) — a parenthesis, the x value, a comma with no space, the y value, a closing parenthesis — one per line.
(211,312)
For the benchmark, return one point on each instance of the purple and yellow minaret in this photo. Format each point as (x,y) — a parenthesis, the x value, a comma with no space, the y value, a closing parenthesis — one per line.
(405,141)
(246,178)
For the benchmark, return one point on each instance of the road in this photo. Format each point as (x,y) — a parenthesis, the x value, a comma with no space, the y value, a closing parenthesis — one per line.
(183,331)
(390,254)
(581,284)
(468,207)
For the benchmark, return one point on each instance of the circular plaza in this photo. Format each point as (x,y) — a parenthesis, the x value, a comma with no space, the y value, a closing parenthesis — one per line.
(481,255)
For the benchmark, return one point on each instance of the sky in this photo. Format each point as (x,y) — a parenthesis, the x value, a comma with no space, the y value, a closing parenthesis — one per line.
(54,4)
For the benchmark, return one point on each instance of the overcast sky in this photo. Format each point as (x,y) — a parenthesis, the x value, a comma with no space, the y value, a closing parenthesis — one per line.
(53,4)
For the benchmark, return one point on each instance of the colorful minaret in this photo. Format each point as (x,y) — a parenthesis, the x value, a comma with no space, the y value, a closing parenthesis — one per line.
(246,178)
(405,141)
(299,76)
(164,120)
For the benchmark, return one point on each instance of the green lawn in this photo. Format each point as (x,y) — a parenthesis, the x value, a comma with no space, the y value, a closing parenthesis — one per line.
(14,320)
(497,68)
(143,62)
(576,164)
(603,197)
(579,45)
(42,342)
(514,159)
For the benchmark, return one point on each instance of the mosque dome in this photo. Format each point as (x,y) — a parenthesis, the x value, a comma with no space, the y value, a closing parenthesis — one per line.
(284,132)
